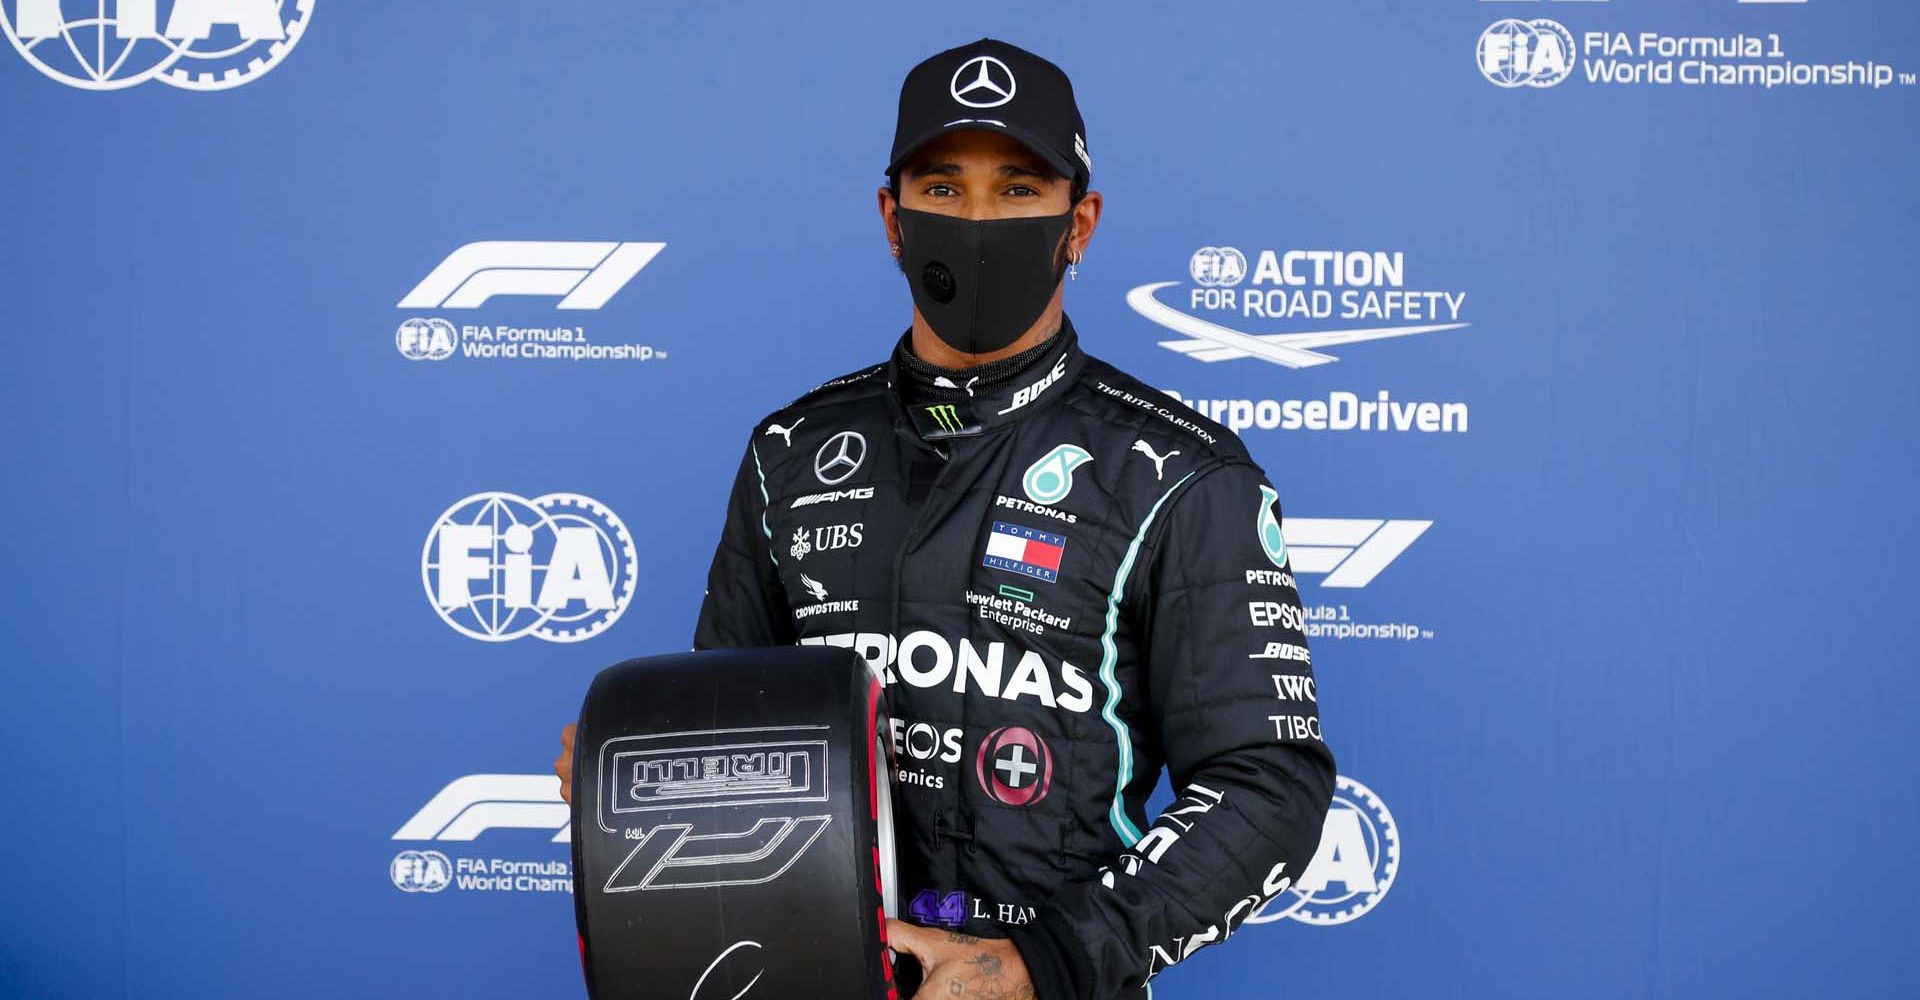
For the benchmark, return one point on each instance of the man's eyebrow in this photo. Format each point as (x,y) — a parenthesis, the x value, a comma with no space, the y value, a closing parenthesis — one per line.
(951,169)
(948,169)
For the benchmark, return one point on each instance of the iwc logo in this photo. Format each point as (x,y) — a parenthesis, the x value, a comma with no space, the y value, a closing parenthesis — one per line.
(498,566)
(190,44)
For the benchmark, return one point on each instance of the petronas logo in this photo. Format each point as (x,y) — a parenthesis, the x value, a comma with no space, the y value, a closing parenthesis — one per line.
(947,417)
(1269,528)
(1048,480)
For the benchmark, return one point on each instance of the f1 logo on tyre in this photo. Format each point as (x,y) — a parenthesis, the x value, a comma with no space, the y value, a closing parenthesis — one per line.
(671,857)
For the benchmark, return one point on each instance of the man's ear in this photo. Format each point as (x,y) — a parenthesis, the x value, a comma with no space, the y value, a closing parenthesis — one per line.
(888,220)
(1086,217)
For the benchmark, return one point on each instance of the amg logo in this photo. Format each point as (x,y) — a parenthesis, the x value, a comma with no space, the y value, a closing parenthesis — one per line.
(700,770)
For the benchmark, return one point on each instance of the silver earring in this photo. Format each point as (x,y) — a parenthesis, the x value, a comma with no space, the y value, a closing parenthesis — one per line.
(896,249)
(1073,266)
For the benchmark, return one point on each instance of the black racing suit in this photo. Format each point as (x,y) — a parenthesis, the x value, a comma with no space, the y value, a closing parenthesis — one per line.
(1069,582)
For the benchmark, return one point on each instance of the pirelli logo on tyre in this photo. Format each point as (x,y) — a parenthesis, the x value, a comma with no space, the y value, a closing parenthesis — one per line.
(711,769)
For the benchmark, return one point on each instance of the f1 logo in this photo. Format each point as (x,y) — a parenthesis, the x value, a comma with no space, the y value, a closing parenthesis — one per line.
(586,274)
(671,857)
(1351,551)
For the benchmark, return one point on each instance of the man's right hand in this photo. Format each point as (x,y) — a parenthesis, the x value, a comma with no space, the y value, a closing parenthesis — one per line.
(563,764)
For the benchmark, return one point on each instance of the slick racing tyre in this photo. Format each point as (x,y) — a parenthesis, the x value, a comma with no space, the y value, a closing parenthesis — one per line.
(732,828)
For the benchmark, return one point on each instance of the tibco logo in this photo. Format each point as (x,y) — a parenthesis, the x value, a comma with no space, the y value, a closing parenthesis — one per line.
(560,567)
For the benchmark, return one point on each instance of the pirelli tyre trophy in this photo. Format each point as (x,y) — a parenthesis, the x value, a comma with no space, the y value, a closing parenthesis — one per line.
(732,827)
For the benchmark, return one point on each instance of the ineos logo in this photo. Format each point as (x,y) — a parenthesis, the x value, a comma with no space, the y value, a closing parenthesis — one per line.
(839,457)
(982,82)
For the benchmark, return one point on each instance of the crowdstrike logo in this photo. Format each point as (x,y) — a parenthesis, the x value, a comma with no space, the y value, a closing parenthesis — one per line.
(197,45)
(1362,293)
(584,274)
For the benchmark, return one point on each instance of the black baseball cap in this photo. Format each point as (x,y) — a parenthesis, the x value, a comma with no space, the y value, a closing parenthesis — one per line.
(991,85)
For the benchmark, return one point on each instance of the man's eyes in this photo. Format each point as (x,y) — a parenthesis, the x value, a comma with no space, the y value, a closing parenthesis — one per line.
(949,191)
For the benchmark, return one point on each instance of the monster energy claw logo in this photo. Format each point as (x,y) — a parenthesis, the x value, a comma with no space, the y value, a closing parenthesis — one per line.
(947,416)
(1268,528)
(1048,480)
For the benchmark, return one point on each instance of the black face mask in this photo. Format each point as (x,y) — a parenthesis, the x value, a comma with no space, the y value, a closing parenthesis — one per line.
(981,284)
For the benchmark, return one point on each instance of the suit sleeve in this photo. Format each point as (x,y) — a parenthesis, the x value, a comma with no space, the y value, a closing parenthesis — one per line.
(1231,699)
(745,603)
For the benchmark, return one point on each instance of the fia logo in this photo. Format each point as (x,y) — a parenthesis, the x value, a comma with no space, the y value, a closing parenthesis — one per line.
(1515,53)
(421,871)
(426,339)
(498,566)
(190,44)
(1217,267)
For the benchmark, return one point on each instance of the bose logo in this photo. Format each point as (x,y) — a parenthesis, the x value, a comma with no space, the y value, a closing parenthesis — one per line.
(586,274)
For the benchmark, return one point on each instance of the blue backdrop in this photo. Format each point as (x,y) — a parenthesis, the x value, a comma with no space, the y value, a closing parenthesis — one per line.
(1615,637)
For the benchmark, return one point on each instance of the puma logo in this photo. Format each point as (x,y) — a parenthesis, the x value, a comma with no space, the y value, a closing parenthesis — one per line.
(1159,461)
(946,383)
(786,433)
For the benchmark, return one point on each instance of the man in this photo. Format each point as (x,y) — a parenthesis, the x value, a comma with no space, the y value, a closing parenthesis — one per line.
(1067,581)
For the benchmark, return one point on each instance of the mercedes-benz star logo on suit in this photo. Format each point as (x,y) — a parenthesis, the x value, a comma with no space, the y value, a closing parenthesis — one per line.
(839,457)
(982,82)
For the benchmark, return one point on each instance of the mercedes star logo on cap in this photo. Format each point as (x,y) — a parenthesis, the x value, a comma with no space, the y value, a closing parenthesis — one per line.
(982,82)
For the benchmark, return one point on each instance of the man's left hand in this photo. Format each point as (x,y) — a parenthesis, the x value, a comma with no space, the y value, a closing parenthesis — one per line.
(960,966)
